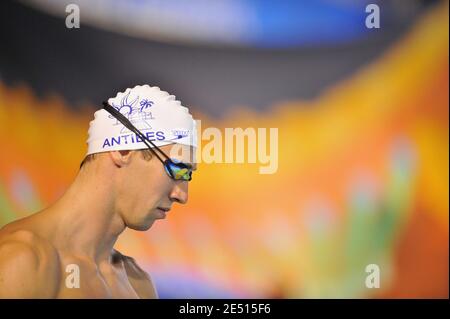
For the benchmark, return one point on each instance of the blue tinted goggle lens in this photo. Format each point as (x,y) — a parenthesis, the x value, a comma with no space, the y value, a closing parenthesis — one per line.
(177,170)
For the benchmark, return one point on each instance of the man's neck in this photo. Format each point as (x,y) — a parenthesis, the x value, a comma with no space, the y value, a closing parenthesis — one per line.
(84,220)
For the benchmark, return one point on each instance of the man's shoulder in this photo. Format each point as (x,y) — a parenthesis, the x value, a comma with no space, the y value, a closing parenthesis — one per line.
(27,263)
(139,279)
(26,241)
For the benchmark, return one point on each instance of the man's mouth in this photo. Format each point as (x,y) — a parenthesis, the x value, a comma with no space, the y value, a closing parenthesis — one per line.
(163,211)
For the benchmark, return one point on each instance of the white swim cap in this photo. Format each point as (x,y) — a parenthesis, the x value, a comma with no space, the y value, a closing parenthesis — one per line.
(157,114)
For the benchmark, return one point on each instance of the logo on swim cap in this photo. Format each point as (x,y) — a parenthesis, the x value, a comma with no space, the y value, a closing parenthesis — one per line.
(157,114)
(179,134)
(138,113)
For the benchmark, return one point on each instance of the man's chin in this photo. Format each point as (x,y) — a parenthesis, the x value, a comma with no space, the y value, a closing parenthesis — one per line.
(141,227)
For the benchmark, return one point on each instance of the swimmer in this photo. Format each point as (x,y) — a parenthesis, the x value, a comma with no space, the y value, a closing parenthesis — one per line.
(137,166)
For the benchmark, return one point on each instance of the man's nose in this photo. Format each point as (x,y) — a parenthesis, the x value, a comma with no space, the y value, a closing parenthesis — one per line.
(179,192)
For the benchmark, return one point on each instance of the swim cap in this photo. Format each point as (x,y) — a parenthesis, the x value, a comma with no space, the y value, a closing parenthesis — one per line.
(157,114)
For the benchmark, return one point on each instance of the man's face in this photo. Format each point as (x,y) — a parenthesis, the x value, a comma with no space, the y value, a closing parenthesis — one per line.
(146,191)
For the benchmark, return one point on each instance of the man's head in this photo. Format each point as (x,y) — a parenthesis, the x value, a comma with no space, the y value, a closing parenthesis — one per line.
(142,189)
(143,186)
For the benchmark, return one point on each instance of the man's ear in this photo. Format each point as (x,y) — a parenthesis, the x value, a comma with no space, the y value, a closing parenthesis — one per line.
(120,158)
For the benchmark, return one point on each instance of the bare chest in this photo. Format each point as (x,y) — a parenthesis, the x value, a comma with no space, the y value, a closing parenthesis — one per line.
(81,281)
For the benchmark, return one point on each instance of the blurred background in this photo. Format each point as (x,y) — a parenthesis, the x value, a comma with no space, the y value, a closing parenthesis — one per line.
(363,127)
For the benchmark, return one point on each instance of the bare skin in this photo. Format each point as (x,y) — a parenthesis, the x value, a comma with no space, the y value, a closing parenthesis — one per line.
(118,189)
